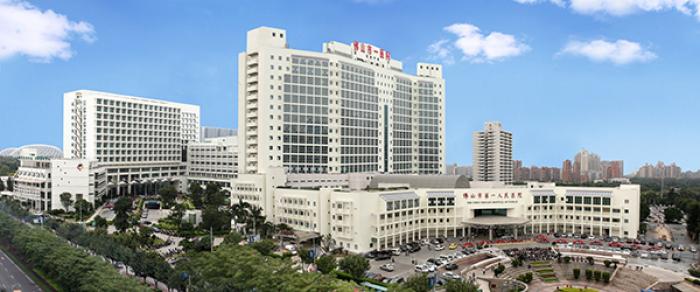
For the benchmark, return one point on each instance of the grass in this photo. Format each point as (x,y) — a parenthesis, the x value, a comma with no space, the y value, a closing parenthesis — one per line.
(577,290)
(550,280)
(540,264)
(545,271)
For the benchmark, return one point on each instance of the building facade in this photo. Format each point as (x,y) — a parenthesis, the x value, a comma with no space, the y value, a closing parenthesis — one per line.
(492,154)
(39,182)
(346,109)
(142,143)
(214,132)
(214,160)
(363,215)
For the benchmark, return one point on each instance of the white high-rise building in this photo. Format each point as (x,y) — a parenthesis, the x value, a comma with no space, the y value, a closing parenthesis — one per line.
(349,108)
(140,142)
(493,154)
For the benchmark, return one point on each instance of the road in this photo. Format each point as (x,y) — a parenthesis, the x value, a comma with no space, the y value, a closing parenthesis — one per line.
(12,277)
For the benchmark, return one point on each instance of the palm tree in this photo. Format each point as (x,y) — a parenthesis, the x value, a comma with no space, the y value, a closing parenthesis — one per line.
(239,212)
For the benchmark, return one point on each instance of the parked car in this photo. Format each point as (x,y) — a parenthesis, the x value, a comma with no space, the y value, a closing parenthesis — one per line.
(450,276)
(453,246)
(439,247)
(396,251)
(382,256)
(451,267)
(387,267)
(693,249)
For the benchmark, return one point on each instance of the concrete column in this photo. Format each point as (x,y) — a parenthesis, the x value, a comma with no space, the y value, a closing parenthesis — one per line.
(515,232)
(469,231)
(490,233)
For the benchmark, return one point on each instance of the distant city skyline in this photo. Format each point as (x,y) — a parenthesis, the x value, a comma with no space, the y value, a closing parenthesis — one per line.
(604,101)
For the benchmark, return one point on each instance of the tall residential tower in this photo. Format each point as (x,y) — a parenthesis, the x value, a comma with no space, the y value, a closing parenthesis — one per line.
(493,154)
(349,108)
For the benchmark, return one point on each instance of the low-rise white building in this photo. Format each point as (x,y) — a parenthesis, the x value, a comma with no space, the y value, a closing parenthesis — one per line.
(214,160)
(39,182)
(387,210)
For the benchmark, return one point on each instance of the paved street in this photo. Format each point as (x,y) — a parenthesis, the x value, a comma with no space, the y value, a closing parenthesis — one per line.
(12,277)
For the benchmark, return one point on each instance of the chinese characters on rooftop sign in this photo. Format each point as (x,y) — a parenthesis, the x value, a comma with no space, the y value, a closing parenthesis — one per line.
(371,51)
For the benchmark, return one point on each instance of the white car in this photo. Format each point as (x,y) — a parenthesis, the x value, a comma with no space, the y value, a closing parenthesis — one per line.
(450,276)
(387,267)
(439,247)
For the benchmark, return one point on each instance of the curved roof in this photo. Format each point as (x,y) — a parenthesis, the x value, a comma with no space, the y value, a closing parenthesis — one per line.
(420,181)
(41,150)
(495,221)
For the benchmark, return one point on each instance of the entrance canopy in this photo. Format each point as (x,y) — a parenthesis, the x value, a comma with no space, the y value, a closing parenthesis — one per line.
(495,221)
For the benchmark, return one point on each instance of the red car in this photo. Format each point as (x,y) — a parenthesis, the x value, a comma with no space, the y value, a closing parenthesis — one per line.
(561,240)
(596,242)
(616,244)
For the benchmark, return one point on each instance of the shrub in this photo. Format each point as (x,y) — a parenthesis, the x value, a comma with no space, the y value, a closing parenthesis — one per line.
(589,274)
(525,278)
(606,277)
(499,269)
(607,263)
(590,260)
(694,272)
(577,273)
(567,259)
(596,275)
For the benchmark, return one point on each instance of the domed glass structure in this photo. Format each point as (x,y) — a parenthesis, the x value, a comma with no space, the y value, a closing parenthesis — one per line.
(37,150)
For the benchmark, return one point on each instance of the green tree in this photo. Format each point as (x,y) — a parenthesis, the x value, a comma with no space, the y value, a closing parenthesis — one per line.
(2,185)
(10,184)
(264,247)
(195,194)
(605,276)
(577,273)
(460,286)
(100,222)
(354,265)
(589,274)
(326,264)
(596,275)
(693,224)
(66,200)
(214,196)
(83,207)
(499,269)
(168,194)
(233,238)
(121,208)
(240,268)
(673,215)
(417,283)
(215,219)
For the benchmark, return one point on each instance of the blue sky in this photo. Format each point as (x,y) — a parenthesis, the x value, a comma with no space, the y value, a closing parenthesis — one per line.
(621,81)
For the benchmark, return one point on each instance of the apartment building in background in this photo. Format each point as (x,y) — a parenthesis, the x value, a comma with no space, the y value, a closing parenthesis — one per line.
(492,155)
(216,132)
(141,143)
(349,108)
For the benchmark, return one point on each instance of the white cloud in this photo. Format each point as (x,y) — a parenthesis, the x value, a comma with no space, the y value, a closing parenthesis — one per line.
(625,7)
(39,35)
(441,50)
(619,52)
(475,46)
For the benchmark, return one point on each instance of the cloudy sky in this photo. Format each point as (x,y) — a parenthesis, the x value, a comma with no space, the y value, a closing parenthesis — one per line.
(617,77)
